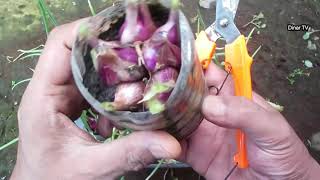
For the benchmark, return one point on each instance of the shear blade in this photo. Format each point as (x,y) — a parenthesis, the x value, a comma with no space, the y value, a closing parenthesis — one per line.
(224,25)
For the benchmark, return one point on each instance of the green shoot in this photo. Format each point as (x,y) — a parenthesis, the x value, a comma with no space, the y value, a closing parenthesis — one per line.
(46,16)
(91,8)
(257,21)
(15,84)
(84,119)
(155,169)
(250,34)
(256,51)
(9,144)
(24,54)
(200,22)
(276,106)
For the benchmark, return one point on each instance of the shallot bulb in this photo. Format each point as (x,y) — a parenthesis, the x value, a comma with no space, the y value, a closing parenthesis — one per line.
(158,53)
(162,49)
(138,25)
(126,97)
(116,64)
(170,29)
(159,89)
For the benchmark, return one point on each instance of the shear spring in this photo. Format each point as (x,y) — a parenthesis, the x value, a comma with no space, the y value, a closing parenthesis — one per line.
(229,68)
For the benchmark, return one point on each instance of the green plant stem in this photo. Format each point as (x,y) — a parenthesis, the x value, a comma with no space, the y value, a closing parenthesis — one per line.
(155,169)
(93,114)
(44,18)
(255,53)
(91,8)
(201,19)
(249,23)
(30,55)
(23,53)
(9,144)
(250,34)
(314,31)
(20,82)
(49,13)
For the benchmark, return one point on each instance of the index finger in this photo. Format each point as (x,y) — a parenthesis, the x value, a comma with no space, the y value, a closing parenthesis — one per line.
(215,76)
(54,63)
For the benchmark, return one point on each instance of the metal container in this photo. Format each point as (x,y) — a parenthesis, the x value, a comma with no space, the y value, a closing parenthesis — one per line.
(183,108)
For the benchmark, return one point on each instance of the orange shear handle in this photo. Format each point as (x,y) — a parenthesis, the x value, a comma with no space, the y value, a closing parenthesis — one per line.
(205,49)
(236,56)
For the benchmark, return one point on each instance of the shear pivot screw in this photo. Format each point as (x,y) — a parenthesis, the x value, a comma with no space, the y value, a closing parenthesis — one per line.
(224,22)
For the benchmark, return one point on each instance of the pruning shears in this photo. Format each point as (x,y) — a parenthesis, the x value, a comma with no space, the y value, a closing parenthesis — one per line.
(237,60)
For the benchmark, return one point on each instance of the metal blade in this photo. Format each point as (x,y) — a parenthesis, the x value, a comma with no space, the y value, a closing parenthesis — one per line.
(225,13)
(231,6)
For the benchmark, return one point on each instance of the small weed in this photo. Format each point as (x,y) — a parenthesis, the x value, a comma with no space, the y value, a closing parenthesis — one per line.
(257,21)
(296,73)
(308,34)
(311,46)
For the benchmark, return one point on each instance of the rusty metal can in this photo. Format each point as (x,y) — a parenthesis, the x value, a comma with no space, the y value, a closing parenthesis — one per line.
(182,114)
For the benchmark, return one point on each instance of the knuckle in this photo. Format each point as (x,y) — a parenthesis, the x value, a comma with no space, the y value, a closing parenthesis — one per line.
(137,159)
(56,30)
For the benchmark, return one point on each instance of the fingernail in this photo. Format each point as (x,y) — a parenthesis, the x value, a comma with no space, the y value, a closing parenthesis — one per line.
(213,106)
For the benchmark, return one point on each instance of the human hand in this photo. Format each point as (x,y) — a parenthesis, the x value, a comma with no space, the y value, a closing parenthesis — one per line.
(274,149)
(52,147)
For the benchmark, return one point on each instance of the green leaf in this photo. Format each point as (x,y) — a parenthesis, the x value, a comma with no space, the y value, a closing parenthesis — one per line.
(157,88)
(311,45)
(108,106)
(263,26)
(84,119)
(306,36)
(155,106)
(308,64)
(260,16)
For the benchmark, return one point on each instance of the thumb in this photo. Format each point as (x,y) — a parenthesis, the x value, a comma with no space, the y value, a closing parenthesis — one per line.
(240,113)
(134,152)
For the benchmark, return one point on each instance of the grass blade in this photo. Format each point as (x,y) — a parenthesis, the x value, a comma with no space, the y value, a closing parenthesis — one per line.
(155,169)
(91,8)
(9,144)
(255,53)
(20,82)
(30,55)
(44,18)
(48,12)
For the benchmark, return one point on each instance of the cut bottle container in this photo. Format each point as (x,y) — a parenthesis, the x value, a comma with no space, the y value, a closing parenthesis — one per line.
(183,108)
